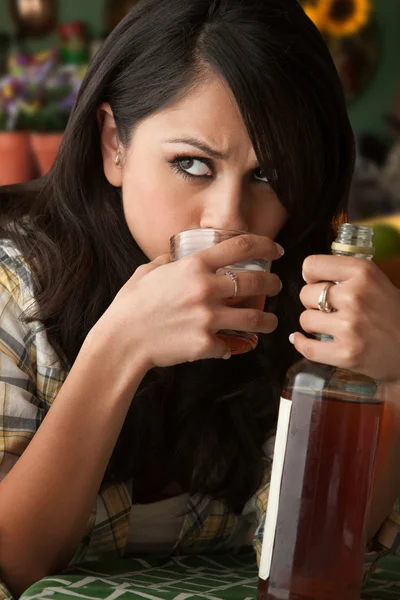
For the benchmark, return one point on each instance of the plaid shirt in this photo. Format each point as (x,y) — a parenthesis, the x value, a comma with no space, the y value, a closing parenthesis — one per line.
(30,378)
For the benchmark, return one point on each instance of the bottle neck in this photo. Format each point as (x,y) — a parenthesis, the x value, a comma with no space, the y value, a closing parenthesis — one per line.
(354,237)
(354,241)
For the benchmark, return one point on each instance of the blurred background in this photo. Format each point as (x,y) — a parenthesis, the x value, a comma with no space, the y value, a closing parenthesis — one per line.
(45,47)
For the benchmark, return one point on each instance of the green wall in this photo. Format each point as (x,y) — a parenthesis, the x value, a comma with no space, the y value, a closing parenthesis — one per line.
(90,11)
(365,113)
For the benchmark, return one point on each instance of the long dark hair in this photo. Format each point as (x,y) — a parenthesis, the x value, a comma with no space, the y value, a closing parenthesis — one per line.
(203,424)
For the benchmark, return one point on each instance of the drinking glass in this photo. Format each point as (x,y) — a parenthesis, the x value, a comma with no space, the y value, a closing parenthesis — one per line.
(193,240)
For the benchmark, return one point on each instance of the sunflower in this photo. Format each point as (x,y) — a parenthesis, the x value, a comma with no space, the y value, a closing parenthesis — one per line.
(313,12)
(344,17)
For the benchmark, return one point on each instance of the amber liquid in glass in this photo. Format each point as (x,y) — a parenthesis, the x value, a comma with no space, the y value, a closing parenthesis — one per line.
(324,499)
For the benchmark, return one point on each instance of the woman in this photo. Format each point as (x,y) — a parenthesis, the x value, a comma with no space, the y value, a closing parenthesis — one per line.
(195,113)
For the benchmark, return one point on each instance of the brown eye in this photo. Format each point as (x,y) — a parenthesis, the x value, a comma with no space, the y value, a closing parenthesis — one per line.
(195,167)
(187,163)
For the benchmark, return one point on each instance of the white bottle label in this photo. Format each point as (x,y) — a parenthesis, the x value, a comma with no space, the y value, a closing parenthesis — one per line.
(282,432)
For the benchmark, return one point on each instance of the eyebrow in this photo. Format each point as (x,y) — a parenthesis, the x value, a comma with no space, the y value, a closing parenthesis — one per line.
(200,145)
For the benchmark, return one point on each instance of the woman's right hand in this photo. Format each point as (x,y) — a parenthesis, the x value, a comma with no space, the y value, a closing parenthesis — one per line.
(169,312)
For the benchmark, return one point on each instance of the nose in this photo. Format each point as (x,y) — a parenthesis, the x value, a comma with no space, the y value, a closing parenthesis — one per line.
(224,208)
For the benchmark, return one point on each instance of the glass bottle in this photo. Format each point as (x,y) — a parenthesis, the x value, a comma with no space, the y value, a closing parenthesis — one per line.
(325,449)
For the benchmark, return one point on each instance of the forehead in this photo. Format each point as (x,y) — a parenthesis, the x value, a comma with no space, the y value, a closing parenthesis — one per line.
(208,109)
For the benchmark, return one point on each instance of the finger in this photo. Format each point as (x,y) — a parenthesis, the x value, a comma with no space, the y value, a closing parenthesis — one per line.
(335,296)
(245,319)
(315,321)
(163,259)
(241,248)
(211,347)
(248,283)
(220,350)
(331,268)
(315,350)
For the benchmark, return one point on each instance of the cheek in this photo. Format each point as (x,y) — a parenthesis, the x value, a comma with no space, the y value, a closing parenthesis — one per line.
(152,208)
(269,217)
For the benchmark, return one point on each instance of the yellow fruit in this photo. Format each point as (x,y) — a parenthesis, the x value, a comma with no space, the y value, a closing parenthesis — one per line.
(386,241)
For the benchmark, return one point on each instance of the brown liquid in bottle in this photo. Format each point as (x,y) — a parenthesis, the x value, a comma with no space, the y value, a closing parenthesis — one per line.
(314,544)
(329,466)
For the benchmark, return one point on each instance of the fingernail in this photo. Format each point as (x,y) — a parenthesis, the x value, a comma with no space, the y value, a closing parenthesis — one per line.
(291,338)
(303,276)
(280,249)
(227,355)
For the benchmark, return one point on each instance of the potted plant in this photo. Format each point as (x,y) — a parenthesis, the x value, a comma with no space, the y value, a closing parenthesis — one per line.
(55,97)
(35,103)
(16,160)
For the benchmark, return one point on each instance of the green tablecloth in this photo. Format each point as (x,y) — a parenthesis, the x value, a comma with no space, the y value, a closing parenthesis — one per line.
(225,577)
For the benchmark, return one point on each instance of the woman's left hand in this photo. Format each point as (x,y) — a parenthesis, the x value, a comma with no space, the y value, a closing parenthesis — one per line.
(365,323)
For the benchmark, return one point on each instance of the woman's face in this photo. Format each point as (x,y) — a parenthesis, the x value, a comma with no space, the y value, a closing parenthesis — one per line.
(192,165)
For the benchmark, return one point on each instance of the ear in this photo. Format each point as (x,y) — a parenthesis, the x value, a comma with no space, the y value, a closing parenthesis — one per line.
(109,145)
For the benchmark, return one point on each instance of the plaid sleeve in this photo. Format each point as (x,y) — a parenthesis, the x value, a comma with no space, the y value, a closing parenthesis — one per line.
(387,541)
(261,502)
(389,533)
(20,414)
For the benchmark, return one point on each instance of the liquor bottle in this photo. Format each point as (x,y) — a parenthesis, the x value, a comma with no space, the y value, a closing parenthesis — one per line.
(325,448)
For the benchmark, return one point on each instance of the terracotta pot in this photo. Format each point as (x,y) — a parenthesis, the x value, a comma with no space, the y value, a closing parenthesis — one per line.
(45,147)
(16,160)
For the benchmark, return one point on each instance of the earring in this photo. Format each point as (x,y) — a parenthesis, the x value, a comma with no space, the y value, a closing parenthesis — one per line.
(118,159)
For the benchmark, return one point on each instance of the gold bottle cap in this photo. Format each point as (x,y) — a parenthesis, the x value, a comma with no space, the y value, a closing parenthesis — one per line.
(370,251)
